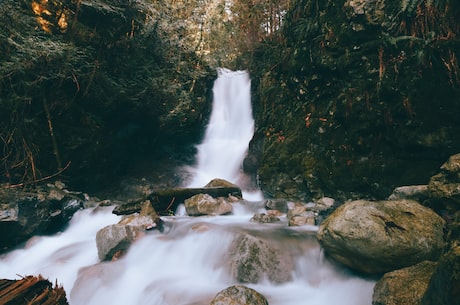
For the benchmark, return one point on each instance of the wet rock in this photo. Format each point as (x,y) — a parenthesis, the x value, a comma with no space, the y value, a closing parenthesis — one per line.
(203,204)
(380,236)
(264,218)
(254,259)
(45,210)
(277,204)
(31,290)
(299,215)
(221,183)
(167,200)
(444,286)
(114,240)
(239,295)
(405,286)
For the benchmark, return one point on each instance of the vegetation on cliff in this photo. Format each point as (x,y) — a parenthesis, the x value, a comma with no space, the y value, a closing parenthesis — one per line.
(356,97)
(96,84)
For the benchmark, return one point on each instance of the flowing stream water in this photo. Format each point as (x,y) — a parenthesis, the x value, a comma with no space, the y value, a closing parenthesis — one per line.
(189,263)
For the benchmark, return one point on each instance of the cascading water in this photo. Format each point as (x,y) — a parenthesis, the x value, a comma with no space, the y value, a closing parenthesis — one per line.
(191,262)
(230,128)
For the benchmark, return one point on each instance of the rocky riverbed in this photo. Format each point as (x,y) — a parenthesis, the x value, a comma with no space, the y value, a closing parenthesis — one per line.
(411,238)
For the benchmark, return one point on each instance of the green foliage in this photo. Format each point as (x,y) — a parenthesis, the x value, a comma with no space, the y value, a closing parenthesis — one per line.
(357,95)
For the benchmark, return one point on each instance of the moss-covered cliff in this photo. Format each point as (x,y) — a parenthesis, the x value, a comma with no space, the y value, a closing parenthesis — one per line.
(356,97)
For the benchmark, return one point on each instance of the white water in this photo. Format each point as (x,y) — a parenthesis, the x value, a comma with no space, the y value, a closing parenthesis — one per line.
(188,265)
(230,128)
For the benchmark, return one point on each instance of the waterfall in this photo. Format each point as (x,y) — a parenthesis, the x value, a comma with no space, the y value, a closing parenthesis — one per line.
(230,128)
(190,263)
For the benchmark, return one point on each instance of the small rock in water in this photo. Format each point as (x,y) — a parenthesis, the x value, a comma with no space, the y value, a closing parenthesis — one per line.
(239,295)
(264,218)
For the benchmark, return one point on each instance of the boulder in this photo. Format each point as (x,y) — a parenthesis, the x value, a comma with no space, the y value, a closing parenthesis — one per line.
(204,204)
(444,286)
(24,214)
(31,290)
(253,259)
(405,286)
(114,240)
(239,295)
(375,237)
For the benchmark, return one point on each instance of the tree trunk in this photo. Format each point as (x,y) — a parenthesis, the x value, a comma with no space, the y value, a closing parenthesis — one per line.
(31,290)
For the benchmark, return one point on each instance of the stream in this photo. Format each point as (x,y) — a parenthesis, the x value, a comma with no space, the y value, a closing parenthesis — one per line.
(189,263)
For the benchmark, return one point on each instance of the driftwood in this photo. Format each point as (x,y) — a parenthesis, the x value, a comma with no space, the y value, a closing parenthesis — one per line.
(166,200)
(31,290)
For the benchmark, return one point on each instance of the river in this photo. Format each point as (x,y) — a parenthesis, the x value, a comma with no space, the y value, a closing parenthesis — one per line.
(189,263)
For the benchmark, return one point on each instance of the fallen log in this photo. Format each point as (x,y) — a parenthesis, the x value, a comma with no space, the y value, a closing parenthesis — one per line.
(166,200)
(31,290)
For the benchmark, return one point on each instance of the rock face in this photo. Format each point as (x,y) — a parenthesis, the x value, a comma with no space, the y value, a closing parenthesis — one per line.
(31,290)
(239,295)
(405,286)
(355,126)
(381,236)
(254,259)
(44,211)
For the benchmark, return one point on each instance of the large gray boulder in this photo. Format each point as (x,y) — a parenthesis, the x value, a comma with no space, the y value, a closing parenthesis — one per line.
(114,240)
(254,259)
(239,295)
(380,236)
(405,286)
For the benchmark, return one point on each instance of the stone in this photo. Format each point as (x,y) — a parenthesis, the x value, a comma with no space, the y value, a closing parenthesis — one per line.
(114,240)
(405,286)
(444,286)
(221,183)
(254,259)
(277,204)
(415,192)
(24,214)
(264,218)
(375,237)
(239,295)
(204,204)
(298,215)
(325,203)
(452,165)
